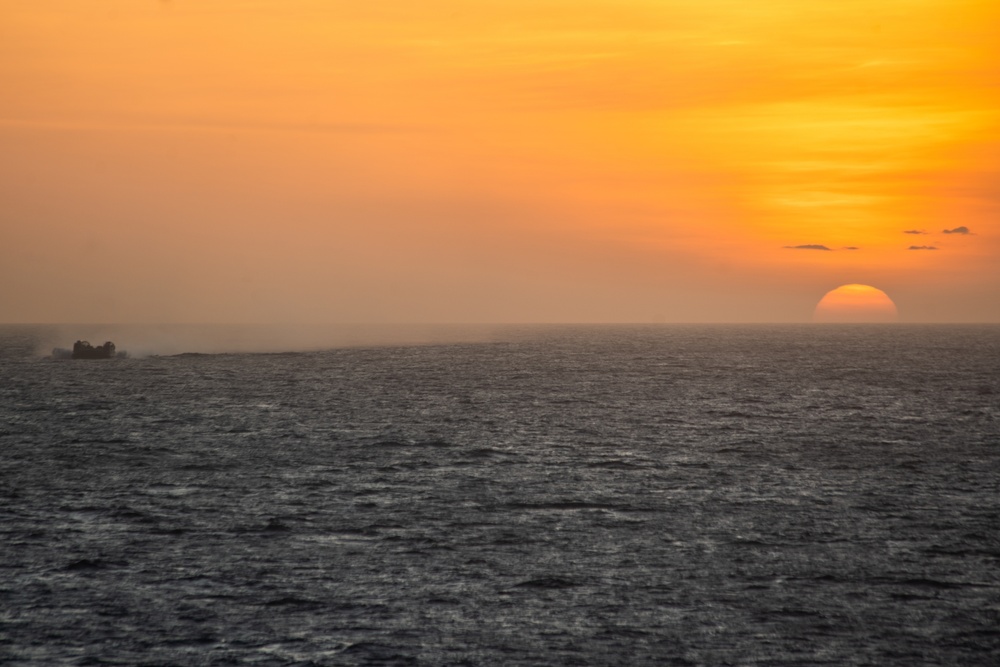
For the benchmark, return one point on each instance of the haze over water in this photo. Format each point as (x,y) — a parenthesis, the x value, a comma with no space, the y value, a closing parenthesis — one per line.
(809,495)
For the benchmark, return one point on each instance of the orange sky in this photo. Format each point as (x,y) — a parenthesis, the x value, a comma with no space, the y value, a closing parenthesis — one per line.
(496,161)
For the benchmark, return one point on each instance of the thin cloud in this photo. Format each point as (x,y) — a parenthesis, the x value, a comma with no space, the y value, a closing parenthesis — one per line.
(808,246)
(921,247)
(217,125)
(958,230)
(851,247)
(914,231)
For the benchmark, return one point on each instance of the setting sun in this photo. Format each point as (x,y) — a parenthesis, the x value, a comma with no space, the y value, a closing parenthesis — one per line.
(856,303)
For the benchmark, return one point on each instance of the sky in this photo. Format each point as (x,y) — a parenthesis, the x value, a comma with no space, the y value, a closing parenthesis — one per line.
(319,161)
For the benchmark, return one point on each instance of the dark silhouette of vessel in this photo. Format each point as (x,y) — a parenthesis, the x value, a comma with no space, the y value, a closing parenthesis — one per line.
(84,350)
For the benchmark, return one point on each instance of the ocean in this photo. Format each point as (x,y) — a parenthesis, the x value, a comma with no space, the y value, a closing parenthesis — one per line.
(522,495)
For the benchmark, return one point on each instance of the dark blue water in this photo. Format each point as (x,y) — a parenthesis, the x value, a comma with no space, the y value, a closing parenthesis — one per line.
(802,495)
